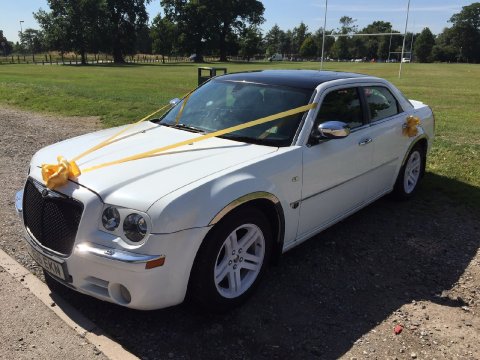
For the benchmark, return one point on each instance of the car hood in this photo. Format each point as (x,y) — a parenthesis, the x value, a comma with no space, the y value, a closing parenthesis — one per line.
(138,184)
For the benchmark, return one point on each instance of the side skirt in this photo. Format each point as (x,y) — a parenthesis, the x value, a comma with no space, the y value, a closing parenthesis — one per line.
(332,222)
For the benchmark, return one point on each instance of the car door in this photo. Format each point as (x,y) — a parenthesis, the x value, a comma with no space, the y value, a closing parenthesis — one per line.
(386,119)
(335,171)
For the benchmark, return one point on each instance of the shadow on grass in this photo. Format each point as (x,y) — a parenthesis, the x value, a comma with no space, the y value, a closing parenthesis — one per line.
(326,293)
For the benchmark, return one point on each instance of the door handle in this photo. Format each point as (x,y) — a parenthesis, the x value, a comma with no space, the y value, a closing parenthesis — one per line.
(365,141)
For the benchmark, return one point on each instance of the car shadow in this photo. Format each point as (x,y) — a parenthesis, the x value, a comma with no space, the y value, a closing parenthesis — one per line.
(326,293)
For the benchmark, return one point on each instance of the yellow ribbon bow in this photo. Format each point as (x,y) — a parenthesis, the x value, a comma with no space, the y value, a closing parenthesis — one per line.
(56,175)
(410,127)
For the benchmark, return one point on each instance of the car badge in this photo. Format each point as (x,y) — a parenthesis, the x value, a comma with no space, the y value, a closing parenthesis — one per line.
(109,252)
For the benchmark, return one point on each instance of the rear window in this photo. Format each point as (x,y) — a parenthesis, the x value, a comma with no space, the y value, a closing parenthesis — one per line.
(381,103)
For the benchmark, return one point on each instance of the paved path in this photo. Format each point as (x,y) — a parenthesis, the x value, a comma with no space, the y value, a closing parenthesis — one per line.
(30,330)
(37,323)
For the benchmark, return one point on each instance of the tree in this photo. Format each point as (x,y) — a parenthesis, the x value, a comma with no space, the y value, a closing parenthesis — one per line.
(33,40)
(342,45)
(308,48)
(286,42)
(163,36)
(445,48)
(299,34)
(233,15)
(123,20)
(424,45)
(470,15)
(194,23)
(375,46)
(273,40)
(6,46)
(329,42)
(72,25)
(143,44)
(466,32)
(212,22)
(250,42)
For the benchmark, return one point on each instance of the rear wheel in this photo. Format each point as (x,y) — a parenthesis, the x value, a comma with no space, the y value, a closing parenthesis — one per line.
(410,173)
(232,260)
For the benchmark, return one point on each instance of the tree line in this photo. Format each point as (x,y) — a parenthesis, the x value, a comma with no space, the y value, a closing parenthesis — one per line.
(231,28)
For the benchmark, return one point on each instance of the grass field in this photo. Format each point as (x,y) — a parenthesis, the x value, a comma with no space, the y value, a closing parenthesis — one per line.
(121,94)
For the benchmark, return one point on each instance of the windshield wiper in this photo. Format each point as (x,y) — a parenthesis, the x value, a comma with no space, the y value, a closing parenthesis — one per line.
(183,127)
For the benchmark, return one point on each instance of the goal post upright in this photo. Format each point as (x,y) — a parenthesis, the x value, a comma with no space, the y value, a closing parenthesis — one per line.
(382,34)
(404,39)
(323,39)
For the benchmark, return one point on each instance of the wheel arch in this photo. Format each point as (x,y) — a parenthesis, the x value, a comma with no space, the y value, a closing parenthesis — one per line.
(270,205)
(422,141)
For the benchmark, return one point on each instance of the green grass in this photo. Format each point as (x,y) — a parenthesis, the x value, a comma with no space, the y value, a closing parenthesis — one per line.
(121,94)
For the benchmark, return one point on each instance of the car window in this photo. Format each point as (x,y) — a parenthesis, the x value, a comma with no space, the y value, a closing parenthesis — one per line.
(381,103)
(342,105)
(221,104)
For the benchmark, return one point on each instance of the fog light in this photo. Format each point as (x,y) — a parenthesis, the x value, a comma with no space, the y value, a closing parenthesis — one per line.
(120,294)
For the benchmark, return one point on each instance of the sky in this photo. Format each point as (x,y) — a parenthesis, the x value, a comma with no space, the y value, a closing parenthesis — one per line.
(288,13)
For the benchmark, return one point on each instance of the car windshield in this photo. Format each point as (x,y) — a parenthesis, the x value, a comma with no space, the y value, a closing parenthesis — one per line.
(220,104)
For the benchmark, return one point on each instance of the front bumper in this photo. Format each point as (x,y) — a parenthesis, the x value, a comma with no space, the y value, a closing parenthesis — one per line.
(123,277)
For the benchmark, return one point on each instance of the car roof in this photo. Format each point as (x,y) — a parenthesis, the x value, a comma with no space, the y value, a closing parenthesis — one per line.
(305,79)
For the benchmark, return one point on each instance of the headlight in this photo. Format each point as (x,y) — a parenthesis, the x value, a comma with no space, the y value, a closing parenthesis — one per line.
(110,218)
(135,227)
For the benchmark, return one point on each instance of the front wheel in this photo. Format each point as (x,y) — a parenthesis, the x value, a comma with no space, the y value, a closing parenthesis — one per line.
(232,260)
(410,173)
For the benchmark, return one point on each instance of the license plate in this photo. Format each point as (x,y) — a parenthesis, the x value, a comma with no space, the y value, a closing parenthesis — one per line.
(53,267)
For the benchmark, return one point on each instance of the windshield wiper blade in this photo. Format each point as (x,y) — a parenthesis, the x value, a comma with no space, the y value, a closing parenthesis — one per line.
(188,128)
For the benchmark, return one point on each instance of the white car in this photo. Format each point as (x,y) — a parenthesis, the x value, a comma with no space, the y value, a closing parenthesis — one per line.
(206,218)
(276,57)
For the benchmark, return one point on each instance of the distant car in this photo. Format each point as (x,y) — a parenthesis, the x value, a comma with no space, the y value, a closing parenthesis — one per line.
(276,57)
(405,60)
(208,217)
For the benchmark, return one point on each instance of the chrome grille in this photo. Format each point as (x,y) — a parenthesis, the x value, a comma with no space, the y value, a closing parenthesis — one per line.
(51,217)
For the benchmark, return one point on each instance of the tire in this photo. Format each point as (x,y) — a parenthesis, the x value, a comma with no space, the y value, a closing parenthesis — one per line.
(410,174)
(231,261)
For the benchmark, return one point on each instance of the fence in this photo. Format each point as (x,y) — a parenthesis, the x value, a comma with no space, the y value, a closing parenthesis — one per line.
(73,59)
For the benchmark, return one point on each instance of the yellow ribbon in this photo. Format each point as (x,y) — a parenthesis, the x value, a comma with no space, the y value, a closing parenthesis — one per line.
(206,136)
(410,127)
(58,175)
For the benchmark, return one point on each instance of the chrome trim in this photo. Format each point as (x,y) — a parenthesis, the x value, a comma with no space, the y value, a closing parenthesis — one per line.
(19,202)
(420,137)
(242,200)
(46,192)
(115,254)
(344,182)
(333,129)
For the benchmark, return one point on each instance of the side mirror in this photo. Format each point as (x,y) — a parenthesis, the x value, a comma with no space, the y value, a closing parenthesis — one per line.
(332,130)
(174,102)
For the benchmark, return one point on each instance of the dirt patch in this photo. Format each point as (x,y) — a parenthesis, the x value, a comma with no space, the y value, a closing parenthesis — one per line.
(22,133)
(341,294)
